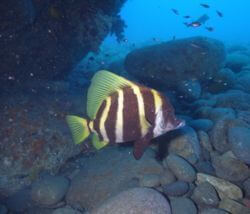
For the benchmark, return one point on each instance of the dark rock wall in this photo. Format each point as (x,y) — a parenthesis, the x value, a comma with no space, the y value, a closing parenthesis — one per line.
(44,39)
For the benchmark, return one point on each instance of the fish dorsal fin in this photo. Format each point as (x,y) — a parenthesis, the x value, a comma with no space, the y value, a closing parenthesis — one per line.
(102,85)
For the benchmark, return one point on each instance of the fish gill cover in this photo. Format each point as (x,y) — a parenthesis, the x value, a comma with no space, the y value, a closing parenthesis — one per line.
(163,62)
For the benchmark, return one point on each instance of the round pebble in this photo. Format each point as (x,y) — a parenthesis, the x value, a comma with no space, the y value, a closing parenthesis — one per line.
(183,206)
(167,177)
(3,209)
(239,140)
(65,210)
(151,180)
(135,200)
(246,187)
(201,124)
(181,168)
(50,190)
(177,188)
(206,194)
(214,211)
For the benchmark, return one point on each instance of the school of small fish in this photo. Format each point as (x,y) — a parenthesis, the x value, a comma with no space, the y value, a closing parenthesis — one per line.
(201,20)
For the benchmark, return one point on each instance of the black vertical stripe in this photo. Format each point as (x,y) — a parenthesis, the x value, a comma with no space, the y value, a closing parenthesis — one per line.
(110,123)
(149,104)
(131,121)
(97,119)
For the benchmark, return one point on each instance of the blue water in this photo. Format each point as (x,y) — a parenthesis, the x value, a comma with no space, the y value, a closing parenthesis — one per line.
(147,19)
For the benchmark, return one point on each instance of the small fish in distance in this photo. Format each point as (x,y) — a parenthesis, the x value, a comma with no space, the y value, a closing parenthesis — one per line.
(210,29)
(186,17)
(175,11)
(194,24)
(120,110)
(205,5)
(219,13)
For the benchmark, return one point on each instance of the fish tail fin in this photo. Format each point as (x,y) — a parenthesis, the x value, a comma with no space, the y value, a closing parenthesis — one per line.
(97,143)
(78,127)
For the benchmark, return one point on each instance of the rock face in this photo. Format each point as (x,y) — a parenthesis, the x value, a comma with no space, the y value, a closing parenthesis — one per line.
(136,200)
(47,38)
(110,171)
(169,63)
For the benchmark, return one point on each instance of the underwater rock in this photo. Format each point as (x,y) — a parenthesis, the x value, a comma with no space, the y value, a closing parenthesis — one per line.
(213,211)
(66,210)
(3,209)
(206,194)
(135,200)
(243,81)
(49,190)
(181,168)
(224,188)
(42,144)
(246,187)
(20,201)
(235,99)
(205,141)
(51,37)
(239,140)
(150,180)
(190,90)
(230,168)
(111,170)
(175,189)
(167,177)
(233,206)
(184,142)
(201,124)
(169,63)
(223,80)
(236,61)
(183,206)
(205,167)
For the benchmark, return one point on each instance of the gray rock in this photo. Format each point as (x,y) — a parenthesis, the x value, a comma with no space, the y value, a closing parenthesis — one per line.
(183,206)
(49,190)
(233,206)
(224,188)
(167,64)
(110,171)
(177,188)
(205,141)
(185,143)
(136,200)
(213,211)
(167,177)
(150,180)
(203,102)
(235,99)
(246,187)
(65,210)
(223,80)
(205,194)
(19,201)
(3,209)
(243,81)
(239,139)
(236,61)
(201,124)
(181,168)
(221,113)
(205,167)
(230,168)
(189,89)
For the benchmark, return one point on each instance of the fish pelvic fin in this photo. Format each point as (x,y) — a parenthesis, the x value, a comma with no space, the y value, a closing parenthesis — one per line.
(97,143)
(78,127)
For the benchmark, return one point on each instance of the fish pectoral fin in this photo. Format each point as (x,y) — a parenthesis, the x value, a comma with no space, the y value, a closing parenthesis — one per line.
(97,143)
(140,146)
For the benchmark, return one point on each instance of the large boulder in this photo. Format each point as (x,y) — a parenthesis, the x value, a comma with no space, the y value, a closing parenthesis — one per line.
(170,63)
(45,39)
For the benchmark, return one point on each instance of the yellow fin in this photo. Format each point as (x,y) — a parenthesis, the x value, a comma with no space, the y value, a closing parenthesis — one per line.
(78,127)
(97,143)
(102,85)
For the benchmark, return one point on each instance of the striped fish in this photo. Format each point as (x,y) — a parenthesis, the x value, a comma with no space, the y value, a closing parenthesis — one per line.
(120,110)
